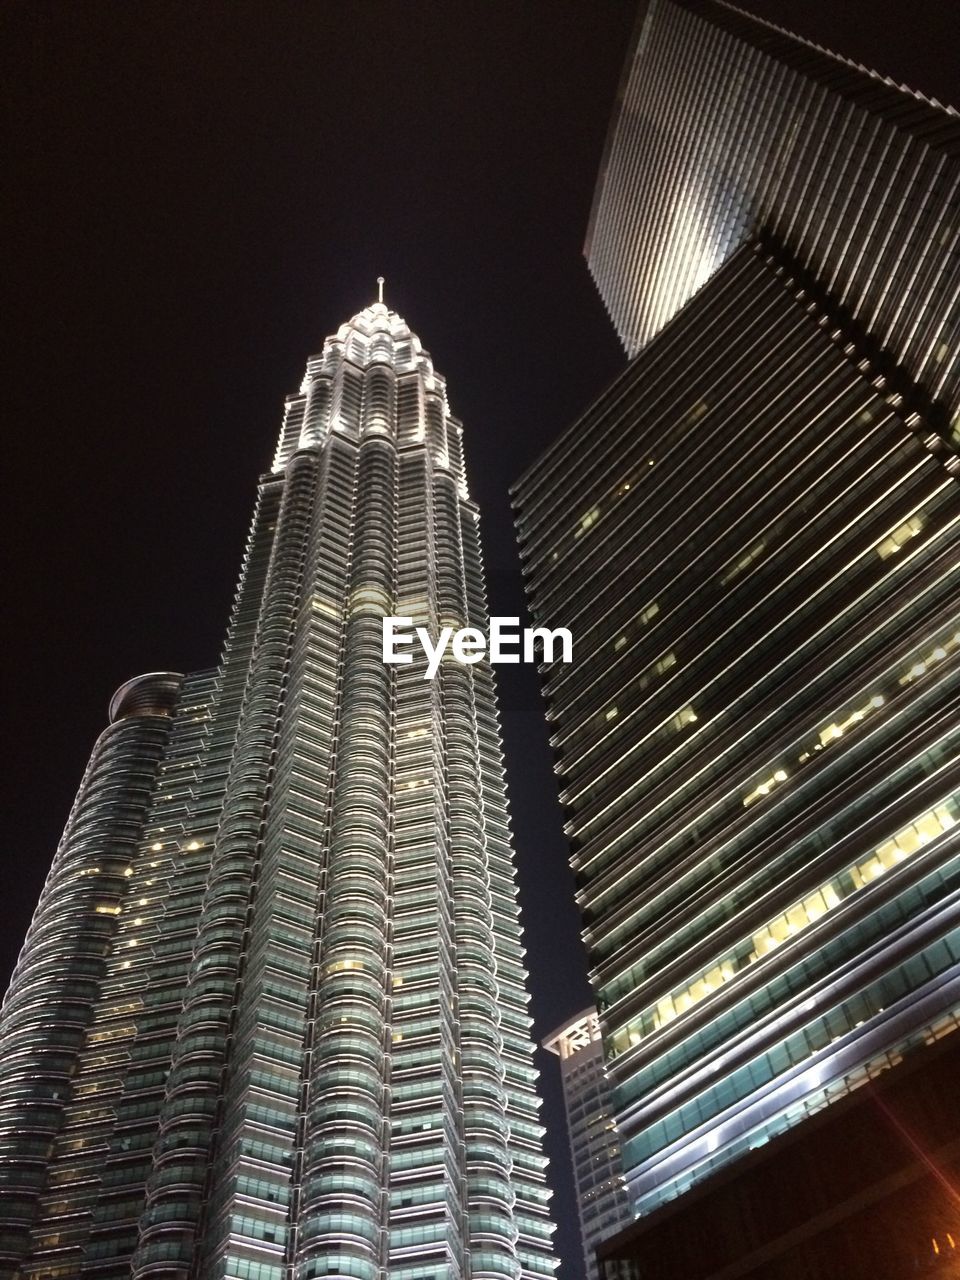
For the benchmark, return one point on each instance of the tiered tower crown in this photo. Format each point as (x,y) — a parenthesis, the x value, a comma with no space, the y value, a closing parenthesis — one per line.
(373,377)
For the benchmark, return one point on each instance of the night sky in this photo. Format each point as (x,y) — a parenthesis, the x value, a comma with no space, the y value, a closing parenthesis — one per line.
(197,194)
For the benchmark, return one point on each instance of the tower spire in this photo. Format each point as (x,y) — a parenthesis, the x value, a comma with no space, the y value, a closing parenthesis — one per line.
(379,288)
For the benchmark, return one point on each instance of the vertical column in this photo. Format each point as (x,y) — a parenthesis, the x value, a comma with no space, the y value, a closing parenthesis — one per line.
(427,1199)
(195,1084)
(253,1181)
(493,1234)
(341,1213)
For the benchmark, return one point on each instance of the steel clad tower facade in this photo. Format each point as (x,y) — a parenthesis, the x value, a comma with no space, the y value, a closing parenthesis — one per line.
(270,1018)
(752,534)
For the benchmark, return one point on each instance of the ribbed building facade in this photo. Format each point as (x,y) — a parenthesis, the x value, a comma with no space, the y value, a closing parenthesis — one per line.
(269,1021)
(726,125)
(602,1202)
(753,535)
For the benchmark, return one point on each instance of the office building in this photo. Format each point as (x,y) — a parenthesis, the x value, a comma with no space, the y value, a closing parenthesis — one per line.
(270,1019)
(753,536)
(602,1203)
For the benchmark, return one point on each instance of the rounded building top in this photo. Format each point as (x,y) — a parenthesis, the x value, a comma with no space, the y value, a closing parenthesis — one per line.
(152,694)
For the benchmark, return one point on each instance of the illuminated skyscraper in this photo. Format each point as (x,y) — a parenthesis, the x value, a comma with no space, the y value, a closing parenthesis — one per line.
(602,1202)
(753,536)
(270,1019)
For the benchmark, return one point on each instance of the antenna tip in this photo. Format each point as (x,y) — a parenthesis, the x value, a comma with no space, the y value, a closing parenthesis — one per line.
(380,288)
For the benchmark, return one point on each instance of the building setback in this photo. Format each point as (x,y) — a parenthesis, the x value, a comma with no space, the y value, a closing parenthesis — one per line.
(753,536)
(270,1017)
(602,1202)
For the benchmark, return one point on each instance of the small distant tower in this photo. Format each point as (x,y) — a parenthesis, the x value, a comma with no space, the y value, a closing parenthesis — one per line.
(602,1203)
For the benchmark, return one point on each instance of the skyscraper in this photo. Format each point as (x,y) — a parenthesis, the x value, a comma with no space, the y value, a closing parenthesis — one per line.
(270,1017)
(753,537)
(602,1202)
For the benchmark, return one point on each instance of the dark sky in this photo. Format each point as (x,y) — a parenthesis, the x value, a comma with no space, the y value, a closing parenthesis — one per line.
(197,194)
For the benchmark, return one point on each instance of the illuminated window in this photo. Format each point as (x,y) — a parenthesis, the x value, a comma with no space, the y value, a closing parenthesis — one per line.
(764,788)
(666,662)
(685,717)
(836,730)
(697,412)
(797,917)
(588,521)
(338,966)
(744,562)
(936,654)
(892,544)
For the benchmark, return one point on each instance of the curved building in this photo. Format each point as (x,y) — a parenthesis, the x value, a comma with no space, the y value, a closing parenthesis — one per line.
(299,1043)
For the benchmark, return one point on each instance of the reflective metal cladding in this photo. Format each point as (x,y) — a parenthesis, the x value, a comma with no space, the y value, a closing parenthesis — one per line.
(270,1019)
(753,536)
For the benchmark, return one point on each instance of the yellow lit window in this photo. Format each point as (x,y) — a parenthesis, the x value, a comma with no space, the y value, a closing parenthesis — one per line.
(737,567)
(110,1033)
(588,521)
(794,920)
(765,787)
(831,732)
(937,654)
(901,535)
